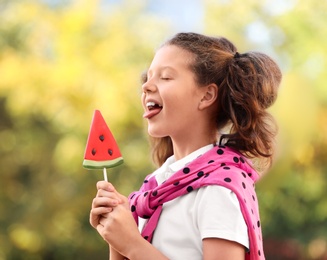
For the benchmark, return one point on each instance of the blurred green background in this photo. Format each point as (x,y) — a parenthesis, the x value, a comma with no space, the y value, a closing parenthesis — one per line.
(61,59)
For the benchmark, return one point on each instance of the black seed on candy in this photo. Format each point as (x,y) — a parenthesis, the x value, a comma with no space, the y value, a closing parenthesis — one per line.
(94,151)
(101,137)
(110,151)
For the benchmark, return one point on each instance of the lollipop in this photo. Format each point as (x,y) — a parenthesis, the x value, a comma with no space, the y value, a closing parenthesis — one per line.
(101,151)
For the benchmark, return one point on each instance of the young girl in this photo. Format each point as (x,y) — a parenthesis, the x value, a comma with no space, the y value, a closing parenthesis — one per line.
(205,105)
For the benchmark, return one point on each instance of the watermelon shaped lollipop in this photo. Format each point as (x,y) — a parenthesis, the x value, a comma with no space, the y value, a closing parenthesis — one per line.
(101,149)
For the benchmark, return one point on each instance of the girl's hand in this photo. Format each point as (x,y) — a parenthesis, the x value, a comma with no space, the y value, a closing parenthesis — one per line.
(106,199)
(119,229)
(112,218)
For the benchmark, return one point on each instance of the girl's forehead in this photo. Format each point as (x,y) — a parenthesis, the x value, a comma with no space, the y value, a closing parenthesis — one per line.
(171,55)
(172,50)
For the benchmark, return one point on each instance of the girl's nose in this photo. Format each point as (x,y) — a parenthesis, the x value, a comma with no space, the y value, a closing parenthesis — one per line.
(148,86)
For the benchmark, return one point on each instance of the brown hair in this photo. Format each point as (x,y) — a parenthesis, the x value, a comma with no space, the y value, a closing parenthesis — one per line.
(247,86)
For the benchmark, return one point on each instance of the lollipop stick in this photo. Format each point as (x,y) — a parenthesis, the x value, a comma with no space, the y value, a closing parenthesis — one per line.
(105,174)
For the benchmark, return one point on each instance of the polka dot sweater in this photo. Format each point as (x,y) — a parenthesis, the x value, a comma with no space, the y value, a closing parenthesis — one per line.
(219,166)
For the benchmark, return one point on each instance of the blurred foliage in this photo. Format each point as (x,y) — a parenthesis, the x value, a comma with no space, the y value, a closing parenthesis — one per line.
(293,196)
(60,60)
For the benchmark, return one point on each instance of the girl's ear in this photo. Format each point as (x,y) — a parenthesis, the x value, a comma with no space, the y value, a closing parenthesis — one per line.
(210,94)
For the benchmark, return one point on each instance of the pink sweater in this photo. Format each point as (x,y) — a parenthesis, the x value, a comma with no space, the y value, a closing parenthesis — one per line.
(220,166)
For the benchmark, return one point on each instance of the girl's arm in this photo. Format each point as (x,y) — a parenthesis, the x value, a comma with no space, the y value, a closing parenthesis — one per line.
(216,248)
(114,255)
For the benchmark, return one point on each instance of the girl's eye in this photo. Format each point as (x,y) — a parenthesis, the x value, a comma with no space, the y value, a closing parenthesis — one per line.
(165,78)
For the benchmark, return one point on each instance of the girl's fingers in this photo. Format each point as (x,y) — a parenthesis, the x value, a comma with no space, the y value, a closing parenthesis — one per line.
(102,221)
(106,215)
(104,202)
(103,185)
(97,214)
(108,194)
(101,211)
(106,189)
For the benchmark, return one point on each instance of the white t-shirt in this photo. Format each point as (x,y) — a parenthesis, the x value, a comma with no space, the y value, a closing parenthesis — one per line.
(211,211)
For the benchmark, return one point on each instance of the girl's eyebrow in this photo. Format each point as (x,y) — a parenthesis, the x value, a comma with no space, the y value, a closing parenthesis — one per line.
(163,68)
(167,67)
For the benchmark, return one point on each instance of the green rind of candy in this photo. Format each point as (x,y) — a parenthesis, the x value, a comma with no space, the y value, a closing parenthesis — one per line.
(89,164)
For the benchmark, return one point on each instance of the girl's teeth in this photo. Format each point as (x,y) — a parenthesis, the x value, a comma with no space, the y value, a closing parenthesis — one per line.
(150,104)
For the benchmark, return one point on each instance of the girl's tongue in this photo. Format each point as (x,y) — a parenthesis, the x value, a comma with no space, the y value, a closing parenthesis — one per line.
(152,111)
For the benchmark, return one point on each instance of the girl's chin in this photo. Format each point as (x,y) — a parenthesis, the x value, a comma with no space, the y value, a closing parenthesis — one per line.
(155,134)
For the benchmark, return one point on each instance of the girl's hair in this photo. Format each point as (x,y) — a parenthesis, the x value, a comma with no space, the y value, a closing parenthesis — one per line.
(247,86)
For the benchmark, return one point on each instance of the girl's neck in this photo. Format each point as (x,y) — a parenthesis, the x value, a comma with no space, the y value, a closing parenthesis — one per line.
(184,148)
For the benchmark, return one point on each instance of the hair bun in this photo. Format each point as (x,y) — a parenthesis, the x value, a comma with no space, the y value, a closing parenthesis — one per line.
(257,75)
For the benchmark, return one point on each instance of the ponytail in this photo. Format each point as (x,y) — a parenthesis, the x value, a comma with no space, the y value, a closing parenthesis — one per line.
(250,87)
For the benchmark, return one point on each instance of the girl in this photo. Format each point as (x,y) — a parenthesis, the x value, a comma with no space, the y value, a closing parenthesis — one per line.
(205,105)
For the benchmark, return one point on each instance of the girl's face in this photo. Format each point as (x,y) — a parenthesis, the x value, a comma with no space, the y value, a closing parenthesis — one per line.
(171,96)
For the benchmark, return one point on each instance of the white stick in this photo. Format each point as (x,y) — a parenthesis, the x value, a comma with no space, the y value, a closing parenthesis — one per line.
(105,174)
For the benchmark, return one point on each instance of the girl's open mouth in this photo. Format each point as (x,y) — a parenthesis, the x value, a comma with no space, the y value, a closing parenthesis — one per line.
(152,109)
